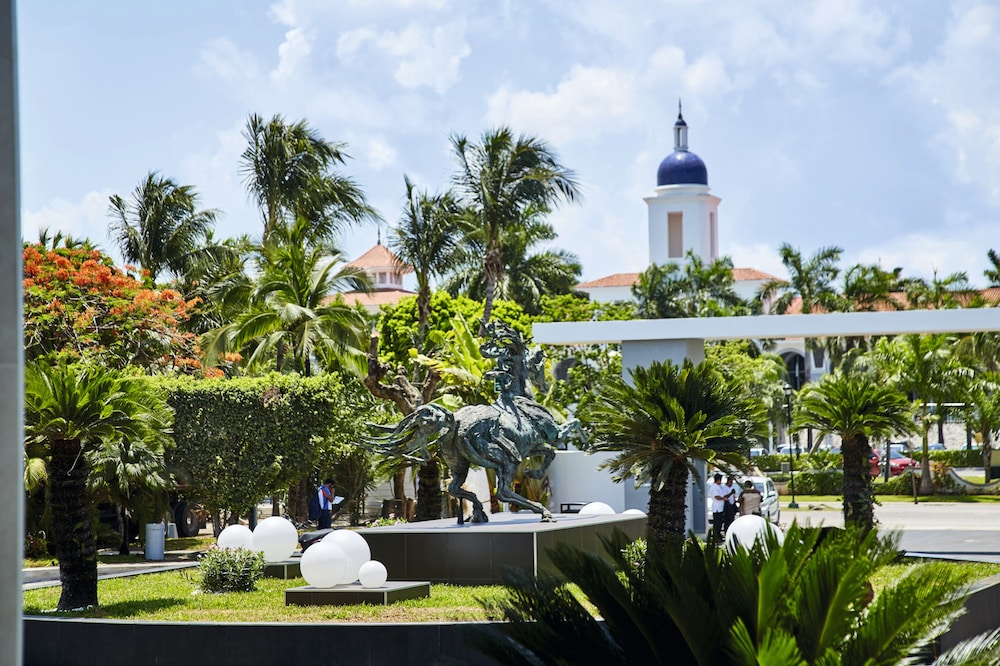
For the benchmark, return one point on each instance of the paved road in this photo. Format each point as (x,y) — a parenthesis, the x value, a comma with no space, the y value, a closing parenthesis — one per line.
(941,529)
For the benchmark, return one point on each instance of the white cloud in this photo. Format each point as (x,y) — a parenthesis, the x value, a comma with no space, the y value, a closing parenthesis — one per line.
(224,59)
(379,153)
(292,54)
(427,57)
(761,256)
(351,41)
(922,254)
(87,218)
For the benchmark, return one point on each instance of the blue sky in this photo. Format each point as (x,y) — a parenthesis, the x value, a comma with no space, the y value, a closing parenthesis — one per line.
(870,125)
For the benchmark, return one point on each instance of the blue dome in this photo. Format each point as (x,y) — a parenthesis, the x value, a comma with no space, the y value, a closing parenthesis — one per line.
(681,167)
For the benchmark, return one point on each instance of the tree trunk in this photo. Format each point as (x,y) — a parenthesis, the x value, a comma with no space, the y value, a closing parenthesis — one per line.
(987,454)
(858,507)
(492,270)
(428,491)
(298,499)
(667,517)
(72,530)
(123,518)
(926,482)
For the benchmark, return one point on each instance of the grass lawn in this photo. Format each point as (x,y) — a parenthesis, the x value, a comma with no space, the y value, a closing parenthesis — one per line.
(886,499)
(180,549)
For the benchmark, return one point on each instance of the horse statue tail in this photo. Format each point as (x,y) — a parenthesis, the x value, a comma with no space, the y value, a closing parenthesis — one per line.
(412,437)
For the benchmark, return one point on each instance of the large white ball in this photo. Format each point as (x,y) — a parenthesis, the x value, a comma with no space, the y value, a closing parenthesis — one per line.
(633,512)
(276,537)
(323,565)
(597,509)
(355,548)
(372,574)
(236,536)
(745,531)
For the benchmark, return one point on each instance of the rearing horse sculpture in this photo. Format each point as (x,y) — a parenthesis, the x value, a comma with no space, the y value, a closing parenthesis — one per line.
(498,436)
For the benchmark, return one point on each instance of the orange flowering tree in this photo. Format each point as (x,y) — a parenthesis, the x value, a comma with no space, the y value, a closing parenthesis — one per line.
(77,302)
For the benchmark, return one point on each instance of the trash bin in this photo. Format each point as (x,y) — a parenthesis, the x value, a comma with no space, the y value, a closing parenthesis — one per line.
(154,541)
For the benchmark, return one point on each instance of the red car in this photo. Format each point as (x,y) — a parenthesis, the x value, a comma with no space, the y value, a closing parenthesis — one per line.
(898,463)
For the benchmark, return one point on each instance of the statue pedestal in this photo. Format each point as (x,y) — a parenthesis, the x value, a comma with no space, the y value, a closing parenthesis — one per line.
(440,551)
(345,595)
(285,570)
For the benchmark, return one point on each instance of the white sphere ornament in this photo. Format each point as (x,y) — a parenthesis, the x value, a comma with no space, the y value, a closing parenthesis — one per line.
(597,509)
(633,512)
(355,548)
(745,531)
(276,537)
(323,564)
(372,574)
(236,536)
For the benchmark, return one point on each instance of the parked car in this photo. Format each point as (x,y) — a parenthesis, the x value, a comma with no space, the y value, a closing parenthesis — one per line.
(757,451)
(936,446)
(898,463)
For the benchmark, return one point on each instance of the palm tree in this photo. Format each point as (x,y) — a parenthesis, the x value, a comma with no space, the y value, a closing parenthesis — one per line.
(72,409)
(499,179)
(133,475)
(669,418)
(860,409)
(924,368)
(993,273)
(939,293)
(428,239)
(160,227)
(694,290)
(808,601)
(294,312)
(529,275)
(287,169)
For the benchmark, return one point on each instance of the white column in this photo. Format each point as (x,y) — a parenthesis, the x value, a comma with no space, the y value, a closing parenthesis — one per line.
(11,343)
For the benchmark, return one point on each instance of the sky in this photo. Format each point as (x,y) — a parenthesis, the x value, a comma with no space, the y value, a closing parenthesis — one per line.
(870,125)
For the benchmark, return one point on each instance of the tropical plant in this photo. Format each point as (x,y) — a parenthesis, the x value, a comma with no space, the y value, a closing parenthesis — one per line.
(427,239)
(693,289)
(939,293)
(860,409)
(160,227)
(293,309)
(993,272)
(925,368)
(72,408)
(498,180)
(288,171)
(808,601)
(659,426)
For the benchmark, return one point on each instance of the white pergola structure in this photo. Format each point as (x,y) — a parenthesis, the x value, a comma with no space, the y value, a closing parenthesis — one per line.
(646,340)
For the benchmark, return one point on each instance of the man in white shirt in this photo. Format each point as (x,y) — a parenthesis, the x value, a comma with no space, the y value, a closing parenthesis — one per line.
(718,493)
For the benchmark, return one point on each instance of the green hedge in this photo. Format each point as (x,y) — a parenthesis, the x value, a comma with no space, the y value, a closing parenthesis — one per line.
(955,457)
(827,482)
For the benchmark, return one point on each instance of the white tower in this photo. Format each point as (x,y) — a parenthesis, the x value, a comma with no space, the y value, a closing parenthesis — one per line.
(682,214)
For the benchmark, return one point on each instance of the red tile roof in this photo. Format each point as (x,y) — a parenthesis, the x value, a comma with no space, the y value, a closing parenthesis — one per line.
(379,257)
(628,279)
(380,297)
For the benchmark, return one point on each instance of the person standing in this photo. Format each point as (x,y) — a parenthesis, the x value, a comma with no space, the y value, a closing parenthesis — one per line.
(750,500)
(325,492)
(730,508)
(717,492)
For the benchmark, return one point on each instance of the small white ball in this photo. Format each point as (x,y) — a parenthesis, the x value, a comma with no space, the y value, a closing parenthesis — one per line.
(745,531)
(597,509)
(373,574)
(276,537)
(633,512)
(236,536)
(355,548)
(323,565)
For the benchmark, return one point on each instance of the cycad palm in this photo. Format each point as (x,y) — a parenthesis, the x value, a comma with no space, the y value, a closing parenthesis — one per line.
(500,178)
(859,408)
(659,427)
(160,227)
(72,408)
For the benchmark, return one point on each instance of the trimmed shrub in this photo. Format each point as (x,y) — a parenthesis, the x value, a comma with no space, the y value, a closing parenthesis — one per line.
(770,462)
(826,482)
(36,546)
(897,485)
(955,458)
(230,570)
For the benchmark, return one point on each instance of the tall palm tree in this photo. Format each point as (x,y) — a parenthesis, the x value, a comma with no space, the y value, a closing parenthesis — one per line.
(288,171)
(940,293)
(428,239)
(669,418)
(160,227)
(529,274)
(925,368)
(860,409)
(293,307)
(695,289)
(993,273)
(498,179)
(808,602)
(72,409)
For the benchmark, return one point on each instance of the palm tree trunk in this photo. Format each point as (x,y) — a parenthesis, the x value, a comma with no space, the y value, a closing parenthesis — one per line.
(123,548)
(858,510)
(987,454)
(926,482)
(428,491)
(492,270)
(667,517)
(423,316)
(72,530)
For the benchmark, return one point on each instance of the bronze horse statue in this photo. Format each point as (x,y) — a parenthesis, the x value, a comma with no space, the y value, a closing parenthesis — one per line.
(499,436)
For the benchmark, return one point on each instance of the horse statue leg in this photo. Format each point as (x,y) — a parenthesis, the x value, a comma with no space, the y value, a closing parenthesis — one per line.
(505,476)
(459,472)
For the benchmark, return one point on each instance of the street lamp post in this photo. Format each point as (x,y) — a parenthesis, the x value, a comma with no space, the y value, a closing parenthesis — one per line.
(791,453)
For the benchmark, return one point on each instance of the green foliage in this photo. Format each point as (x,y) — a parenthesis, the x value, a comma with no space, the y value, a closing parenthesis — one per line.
(897,485)
(577,307)
(769,462)
(826,482)
(398,324)
(36,545)
(694,289)
(954,457)
(634,553)
(240,440)
(230,570)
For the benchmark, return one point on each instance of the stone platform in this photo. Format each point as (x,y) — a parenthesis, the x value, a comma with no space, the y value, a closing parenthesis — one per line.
(345,595)
(441,551)
(283,570)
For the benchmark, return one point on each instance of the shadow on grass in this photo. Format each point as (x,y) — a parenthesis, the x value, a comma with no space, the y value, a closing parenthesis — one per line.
(111,611)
